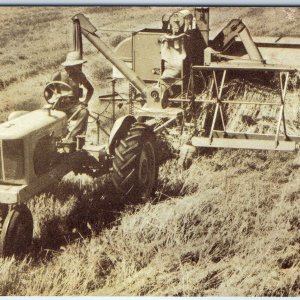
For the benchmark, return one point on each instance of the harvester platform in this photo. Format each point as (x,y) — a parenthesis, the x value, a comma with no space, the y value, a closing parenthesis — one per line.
(169,112)
(238,142)
(223,138)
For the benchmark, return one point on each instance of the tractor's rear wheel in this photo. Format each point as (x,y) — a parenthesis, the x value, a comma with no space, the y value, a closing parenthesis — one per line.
(16,233)
(135,166)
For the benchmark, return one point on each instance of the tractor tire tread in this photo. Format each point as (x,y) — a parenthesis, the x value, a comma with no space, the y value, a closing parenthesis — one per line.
(131,148)
(128,177)
(128,162)
(117,152)
(132,137)
(137,128)
(123,143)
(118,171)
(126,159)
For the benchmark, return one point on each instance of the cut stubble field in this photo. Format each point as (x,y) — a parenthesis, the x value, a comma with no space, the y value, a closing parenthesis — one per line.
(227,226)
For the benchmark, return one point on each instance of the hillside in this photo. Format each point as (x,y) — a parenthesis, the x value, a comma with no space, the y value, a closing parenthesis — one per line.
(228,226)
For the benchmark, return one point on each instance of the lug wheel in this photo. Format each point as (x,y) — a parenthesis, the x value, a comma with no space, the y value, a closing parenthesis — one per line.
(135,168)
(17,230)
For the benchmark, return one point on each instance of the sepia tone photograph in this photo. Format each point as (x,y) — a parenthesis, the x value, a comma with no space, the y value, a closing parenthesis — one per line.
(149,151)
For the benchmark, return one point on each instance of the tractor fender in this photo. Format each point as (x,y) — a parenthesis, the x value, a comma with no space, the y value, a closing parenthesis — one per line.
(119,130)
(17,114)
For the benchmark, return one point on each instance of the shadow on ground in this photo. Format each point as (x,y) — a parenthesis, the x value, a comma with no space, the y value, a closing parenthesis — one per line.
(78,211)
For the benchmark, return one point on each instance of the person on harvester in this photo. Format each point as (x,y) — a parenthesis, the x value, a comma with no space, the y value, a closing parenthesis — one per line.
(73,76)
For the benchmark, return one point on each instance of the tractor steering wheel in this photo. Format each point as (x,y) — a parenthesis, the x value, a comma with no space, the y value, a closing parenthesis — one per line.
(58,93)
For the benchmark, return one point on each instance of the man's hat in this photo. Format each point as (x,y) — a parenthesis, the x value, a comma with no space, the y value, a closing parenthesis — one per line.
(73,58)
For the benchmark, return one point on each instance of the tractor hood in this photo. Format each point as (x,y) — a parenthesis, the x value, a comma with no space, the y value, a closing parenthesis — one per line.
(31,122)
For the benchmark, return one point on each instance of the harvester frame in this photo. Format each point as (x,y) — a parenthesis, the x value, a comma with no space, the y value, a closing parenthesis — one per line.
(255,62)
(240,140)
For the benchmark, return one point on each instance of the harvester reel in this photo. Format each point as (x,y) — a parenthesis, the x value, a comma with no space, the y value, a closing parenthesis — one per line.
(58,93)
(135,165)
(17,230)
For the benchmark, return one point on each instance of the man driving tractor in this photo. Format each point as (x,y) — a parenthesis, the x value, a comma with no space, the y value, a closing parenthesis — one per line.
(75,108)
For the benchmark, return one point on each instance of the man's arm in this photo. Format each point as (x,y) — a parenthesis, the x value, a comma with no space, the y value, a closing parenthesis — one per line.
(89,88)
(56,77)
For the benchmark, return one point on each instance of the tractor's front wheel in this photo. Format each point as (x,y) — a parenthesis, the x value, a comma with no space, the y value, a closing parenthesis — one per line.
(16,232)
(135,168)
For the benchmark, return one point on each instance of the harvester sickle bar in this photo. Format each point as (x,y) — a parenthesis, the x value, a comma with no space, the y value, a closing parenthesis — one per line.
(224,139)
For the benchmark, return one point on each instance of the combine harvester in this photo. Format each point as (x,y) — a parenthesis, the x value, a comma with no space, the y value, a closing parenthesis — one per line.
(191,70)
(177,76)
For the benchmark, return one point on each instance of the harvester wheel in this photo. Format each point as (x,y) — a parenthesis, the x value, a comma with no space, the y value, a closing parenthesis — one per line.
(16,233)
(135,168)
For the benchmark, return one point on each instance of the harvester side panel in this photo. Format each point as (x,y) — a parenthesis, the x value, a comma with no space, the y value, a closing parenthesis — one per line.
(146,54)
(124,52)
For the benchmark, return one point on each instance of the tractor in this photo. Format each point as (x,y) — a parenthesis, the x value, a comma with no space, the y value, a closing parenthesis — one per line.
(174,73)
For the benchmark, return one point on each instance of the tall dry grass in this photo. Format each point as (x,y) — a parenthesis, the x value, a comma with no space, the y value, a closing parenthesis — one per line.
(227,226)
(232,230)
